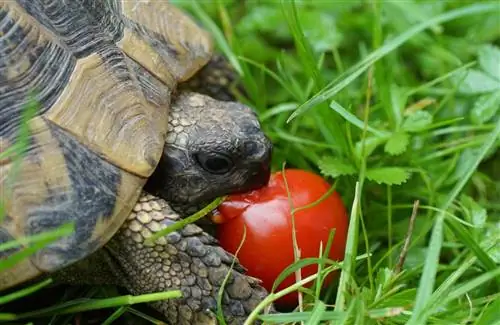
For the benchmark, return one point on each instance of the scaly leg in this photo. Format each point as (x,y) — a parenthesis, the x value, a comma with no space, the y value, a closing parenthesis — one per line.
(188,259)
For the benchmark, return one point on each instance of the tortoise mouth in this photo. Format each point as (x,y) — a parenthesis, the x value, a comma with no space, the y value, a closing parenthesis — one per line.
(188,209)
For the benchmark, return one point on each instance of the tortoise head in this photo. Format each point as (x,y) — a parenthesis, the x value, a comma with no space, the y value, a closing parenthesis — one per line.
(213,148)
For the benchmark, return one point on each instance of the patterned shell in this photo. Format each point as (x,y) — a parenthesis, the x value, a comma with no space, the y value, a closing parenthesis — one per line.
(101,74)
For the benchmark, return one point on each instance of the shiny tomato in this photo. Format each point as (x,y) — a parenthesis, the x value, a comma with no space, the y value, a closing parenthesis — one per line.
(266,213)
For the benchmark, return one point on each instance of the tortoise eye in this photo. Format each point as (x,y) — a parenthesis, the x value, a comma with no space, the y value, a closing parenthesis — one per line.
(214,162)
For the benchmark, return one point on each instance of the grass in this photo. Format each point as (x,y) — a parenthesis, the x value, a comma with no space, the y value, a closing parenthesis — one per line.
(396,102)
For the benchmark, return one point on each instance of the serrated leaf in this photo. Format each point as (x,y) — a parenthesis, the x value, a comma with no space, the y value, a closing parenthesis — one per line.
(397,143)
(489,59)
(417,121)
(388,175)
(475,82)
(335,167)
(485,108)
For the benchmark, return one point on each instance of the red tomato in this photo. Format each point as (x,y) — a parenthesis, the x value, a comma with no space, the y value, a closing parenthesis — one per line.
(266,213)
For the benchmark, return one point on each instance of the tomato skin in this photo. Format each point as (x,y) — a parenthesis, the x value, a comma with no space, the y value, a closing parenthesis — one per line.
(268,247)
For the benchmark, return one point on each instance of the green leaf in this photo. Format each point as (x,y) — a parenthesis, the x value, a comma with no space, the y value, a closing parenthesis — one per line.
(398,102)
(388,175)
(484,28)
(354,120)
(464,235)
(429,274)
(489,315)
(255,48)
(320,29)
(477,212)
(443,290)
(470,285)
(475,82)
(335,167)
(401,298)
(264,19)
(348,76)
(397,143)
(417,121)
(465,158)
(317,313)
(369,144)
(490,241)
(485,108)
(319,26)
(489,59)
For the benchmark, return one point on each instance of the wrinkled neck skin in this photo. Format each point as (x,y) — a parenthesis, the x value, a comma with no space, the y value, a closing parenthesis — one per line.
(213,148)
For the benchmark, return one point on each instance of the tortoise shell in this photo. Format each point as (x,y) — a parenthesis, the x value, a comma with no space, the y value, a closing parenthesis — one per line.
(101,73)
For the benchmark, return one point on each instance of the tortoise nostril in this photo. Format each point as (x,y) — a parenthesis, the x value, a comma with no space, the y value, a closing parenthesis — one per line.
(250,148)
(257,150)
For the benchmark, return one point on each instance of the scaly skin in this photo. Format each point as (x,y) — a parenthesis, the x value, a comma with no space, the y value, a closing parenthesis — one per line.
(190,259)
(216,79)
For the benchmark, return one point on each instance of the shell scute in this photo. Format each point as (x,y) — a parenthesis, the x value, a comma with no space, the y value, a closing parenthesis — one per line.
(102,73)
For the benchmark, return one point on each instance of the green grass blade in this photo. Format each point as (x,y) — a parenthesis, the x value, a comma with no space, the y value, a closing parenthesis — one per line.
(428,277)
(192,218)
(351,74)
(142,315)
(317,313)
(303,262)
(48,235)
(443,290)
(41,241)
(465,237)
(114,316)
(351,118)
(350,252)
(301,317)
(464,288)
(82,305)
(489,315)
(24,292)
(218,36)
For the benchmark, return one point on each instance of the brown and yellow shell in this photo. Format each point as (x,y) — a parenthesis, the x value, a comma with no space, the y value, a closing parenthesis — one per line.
(101,73)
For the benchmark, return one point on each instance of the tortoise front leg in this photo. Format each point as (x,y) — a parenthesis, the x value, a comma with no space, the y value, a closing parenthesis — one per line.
(189,260)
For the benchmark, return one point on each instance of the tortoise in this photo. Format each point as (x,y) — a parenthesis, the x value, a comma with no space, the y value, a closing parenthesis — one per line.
(121,147)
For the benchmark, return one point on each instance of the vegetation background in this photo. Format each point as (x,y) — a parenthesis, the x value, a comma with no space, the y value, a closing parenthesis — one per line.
(394,101)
